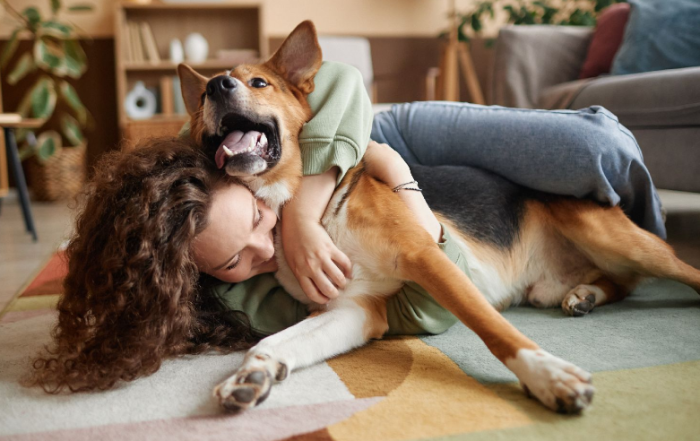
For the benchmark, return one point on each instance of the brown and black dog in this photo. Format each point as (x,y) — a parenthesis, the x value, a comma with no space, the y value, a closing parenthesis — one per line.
(540,248)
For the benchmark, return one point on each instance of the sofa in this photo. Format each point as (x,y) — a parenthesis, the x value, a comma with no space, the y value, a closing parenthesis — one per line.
(538,67)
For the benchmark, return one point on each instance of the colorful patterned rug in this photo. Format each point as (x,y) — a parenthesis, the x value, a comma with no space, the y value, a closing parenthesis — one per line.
(644,352)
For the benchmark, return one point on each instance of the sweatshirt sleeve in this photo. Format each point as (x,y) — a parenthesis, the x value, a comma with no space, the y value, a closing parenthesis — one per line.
(339,131)
(266,305)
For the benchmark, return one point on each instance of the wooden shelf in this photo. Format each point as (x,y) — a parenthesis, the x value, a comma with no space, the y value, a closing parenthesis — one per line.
(169,66)
(159,118)
(226,26)
(175,6)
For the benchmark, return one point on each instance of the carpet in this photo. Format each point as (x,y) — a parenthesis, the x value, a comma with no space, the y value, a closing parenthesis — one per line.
(644,353)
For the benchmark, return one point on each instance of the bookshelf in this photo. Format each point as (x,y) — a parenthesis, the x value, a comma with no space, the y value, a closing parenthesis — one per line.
(226,27)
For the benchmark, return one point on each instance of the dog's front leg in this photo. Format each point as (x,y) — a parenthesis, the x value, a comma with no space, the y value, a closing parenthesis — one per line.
(345,325)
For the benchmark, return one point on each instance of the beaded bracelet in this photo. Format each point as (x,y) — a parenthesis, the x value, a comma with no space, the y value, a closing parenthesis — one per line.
(404,187)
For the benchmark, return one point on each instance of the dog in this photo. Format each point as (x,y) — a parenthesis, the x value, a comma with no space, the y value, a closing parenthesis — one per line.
(523,246)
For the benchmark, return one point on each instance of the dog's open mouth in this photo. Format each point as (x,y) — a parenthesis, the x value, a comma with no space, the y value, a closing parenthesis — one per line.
(240,137)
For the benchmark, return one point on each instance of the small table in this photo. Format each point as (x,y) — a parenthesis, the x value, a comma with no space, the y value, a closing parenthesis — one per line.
(9,122)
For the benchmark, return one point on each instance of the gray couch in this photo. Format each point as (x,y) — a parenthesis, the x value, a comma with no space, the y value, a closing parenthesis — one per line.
(538,67)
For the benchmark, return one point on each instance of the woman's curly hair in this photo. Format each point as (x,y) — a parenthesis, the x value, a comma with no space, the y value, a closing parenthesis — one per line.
(133,295)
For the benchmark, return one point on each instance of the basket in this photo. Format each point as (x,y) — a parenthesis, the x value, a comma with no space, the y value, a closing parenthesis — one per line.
(61,177)
(152,128)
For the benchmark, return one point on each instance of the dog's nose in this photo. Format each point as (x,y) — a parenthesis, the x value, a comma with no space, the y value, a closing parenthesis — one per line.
(223,84)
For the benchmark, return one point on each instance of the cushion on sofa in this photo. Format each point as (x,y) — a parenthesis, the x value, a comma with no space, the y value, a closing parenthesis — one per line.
(606,40)
(660,34)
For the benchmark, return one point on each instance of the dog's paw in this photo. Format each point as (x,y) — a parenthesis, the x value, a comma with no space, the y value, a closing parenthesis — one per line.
(251,384)
(558,384)
(245,389)
(580,300)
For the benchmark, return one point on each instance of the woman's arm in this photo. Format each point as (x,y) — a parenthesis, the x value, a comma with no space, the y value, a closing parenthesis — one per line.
(319,266)
(385,164)
(331,143)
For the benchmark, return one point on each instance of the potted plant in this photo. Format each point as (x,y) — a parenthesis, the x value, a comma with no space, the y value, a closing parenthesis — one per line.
(57,152)
(525,12)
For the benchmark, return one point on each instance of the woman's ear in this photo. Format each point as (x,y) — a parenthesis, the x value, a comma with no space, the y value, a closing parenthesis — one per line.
(299,58)
(193,86)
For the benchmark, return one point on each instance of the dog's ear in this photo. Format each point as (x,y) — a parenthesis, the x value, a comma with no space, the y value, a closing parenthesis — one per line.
(299,57)
(192,85)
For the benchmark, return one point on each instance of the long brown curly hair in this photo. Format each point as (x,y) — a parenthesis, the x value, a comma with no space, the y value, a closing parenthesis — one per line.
(133,295)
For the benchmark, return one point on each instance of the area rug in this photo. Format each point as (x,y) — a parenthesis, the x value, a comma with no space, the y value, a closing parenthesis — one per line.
(644,353)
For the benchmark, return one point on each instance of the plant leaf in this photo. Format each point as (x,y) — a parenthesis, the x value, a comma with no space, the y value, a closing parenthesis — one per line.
(55,6)
(25,151)
(10,47)
(73,100)
(79,8)
(55,29)
(75,59)
(48,55)
(25,106)
(23,66)
(44,98)
(48,144)
(71,130)
(476,23)
(33,16)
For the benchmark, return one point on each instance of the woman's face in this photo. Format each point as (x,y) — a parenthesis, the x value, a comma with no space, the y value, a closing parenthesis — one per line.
(237,243)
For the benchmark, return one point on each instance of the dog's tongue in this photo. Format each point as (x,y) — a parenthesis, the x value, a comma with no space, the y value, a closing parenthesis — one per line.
(237,142)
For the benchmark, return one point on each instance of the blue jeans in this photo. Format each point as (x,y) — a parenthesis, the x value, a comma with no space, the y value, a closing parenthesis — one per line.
(584,153)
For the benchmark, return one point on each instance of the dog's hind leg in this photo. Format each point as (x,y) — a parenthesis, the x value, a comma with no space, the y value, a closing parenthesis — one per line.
(404,250)
(617,246)
(347,324)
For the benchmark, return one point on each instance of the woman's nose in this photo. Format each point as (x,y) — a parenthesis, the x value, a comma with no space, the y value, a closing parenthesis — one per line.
(266,247)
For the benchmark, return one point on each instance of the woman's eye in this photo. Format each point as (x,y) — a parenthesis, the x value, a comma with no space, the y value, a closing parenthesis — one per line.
(258,83)
(260,218)
(233,265)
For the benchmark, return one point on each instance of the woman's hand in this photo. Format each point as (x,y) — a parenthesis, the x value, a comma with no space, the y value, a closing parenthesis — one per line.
(386,165)
(319,266)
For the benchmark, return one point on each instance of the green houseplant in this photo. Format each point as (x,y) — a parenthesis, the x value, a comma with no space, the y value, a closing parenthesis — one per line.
(57,151)
(525,12)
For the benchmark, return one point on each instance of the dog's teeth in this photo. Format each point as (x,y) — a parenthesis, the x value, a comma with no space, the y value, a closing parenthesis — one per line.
(253,141)
(228,152)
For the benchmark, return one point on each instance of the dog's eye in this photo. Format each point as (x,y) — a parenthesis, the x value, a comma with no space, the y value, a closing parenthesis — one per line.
(258,83)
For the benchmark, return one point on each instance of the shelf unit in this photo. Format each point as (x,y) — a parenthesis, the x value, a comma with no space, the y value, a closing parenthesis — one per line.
(224,25)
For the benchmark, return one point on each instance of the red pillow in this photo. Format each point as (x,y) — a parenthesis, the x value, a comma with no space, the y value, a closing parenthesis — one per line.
(606,40)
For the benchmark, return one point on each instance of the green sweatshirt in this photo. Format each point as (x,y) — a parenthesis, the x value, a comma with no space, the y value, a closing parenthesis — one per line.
(337,135)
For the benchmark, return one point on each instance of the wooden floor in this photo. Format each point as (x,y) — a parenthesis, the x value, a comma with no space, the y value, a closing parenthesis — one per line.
(20,257)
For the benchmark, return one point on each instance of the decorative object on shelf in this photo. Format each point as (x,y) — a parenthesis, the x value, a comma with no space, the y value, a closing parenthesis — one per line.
(177,53)
(196,48)
(140,103)
(55,56)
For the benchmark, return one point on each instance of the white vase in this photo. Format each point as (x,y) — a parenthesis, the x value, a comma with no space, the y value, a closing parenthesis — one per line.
(177,54)
(140,103)
(196,48)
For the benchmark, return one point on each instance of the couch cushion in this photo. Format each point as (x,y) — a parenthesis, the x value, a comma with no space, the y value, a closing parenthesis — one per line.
(669,98)
(606,40)
(660,34)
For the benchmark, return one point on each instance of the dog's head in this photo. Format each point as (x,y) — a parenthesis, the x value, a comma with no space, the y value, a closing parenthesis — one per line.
(249,118)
